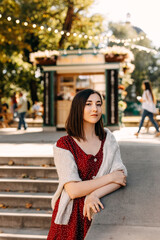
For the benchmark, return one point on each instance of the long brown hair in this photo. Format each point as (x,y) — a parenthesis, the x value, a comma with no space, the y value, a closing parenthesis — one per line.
(148,86)
(74,123)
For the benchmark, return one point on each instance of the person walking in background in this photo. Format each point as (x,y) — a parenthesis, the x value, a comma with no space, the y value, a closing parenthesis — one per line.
(89,167)
(22,109)
(148,106)
(36,110)
(14,105)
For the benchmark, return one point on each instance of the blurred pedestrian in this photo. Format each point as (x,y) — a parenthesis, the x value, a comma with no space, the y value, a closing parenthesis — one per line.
(22,109)
(89,166)
(36,110)
(148,106)
(6,116)
(14,105)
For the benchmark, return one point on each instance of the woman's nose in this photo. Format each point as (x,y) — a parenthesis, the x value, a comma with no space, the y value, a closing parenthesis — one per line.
(94,107)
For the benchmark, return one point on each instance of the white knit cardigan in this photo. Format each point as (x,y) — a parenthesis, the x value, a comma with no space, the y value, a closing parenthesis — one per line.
(68,171)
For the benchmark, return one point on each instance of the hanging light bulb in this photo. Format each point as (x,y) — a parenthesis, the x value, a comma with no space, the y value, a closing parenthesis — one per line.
(56,30)
(49,29)
(85,36)
(34,25)
(17,21)
(9,19)
(80,35)
(0,15)
(74,34)
(41,27)
(25,23)
(62,32)
(90,37)
(96,37)
(68,34)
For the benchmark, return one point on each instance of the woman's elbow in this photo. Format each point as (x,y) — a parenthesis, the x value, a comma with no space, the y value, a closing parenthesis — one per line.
(71,190)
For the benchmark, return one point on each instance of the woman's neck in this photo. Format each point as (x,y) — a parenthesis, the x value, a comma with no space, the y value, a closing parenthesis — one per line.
(89,130)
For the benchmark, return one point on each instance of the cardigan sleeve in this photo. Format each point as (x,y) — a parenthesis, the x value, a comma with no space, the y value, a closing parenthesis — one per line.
(67,171)
(117,163)
(66,166)
(114,155)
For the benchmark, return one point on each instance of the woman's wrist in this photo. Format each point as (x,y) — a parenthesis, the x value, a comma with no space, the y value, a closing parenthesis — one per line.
(108,178)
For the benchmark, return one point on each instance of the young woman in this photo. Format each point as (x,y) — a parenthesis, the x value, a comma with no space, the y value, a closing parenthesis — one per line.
(148,105)
(89,166)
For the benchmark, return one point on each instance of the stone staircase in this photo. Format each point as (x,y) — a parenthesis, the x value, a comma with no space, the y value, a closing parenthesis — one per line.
(26,187)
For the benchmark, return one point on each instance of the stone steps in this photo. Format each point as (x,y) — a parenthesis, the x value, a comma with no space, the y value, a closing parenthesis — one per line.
(23,234)
(27,185)
(25,218)
(27,161)
(21,200)
(28,171)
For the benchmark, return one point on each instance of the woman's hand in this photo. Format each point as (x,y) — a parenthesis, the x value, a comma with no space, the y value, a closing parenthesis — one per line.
(118,177)
(92,205)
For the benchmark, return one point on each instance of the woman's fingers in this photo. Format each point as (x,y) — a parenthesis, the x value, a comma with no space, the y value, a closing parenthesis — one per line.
(94,208)
(97,207)
(100,204)
(89,213)
(84,210)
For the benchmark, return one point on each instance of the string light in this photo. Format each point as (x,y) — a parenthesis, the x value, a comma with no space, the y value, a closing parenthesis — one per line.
(17,21)
(9,19)
(105,37)
(25,23)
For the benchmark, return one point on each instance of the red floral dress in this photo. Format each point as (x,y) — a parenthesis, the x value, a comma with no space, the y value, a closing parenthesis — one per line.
(88,166)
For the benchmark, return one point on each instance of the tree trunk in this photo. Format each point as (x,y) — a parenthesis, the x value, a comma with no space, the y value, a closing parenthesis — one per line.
(67,23)
(33,89)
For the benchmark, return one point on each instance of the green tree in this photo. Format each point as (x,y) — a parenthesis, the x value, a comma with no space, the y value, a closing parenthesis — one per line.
(19,40)
(143,61)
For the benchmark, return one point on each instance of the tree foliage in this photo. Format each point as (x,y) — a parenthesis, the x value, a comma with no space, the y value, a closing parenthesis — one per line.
(145,62)
(18,40)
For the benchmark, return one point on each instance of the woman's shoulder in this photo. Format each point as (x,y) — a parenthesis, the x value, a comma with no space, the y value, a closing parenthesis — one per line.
(110,138)
(64,142)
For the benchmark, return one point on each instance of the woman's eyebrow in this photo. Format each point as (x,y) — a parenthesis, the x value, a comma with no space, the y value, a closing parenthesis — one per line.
(92,101)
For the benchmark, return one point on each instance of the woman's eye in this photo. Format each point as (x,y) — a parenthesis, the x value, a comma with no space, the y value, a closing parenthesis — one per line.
(99,105)
(88,104)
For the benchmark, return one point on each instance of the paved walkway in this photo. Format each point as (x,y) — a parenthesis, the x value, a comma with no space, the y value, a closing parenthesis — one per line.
(36,142)
(131,213)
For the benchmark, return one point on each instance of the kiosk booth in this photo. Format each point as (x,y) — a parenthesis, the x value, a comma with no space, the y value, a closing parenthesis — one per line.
(74,71)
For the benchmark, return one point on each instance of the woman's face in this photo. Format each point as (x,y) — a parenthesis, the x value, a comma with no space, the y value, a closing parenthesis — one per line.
(93,109)
(143,86)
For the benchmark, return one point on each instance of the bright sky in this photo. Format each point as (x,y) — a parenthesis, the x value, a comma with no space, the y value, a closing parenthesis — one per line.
(144,14)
